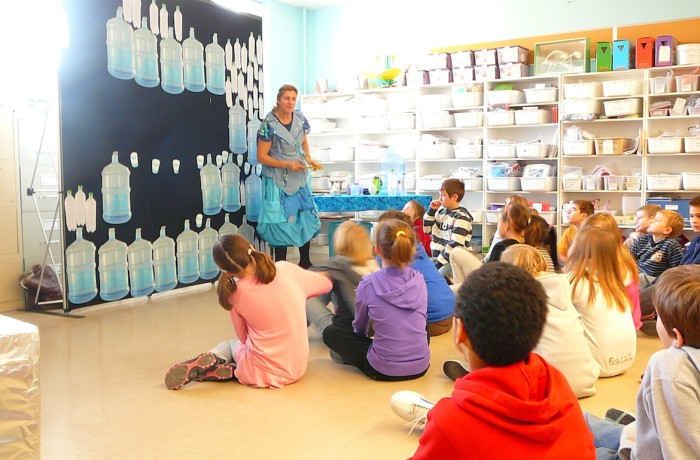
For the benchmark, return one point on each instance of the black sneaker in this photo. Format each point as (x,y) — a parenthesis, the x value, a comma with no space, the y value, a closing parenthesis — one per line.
(337,358)
(619,416)
(454,369)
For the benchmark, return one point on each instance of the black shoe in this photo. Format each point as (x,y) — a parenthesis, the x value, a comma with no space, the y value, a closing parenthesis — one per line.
(619,416)
(454,369)
(337,358)
(649,328)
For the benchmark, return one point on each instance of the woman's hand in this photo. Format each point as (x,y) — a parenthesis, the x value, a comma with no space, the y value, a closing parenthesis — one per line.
(314,164)
(295,166)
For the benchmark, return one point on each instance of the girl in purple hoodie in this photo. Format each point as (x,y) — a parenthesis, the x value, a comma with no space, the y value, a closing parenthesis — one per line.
(395,299)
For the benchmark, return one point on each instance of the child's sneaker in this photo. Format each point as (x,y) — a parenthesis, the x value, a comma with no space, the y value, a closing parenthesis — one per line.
(454,369)
(338,358)
(619,416)
(220,373)
(411,406)
(183,373)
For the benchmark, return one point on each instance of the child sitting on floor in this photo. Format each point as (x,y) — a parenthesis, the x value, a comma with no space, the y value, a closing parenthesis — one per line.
(512,224)
(658,250)
(577,213)
(642,218)
(543,237)
(416,211)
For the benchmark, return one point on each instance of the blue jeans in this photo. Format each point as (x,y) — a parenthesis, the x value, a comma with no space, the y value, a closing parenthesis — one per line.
(606,437)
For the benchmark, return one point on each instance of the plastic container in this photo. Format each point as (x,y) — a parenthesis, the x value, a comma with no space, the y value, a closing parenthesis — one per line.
(692,144)
(469,119)
(578,147)
(464,151)
(392,172)
(582,107)
(591,183)
(538,184)
(253,194)
(664,182)
(208,237)
(437,120)
(120,47)
(541,95)
(437,151)
(612,145)
(253,127)
(399,121)
(227,228)
(583,90)
(496,151)
(633,183)
(140,258)
(503,184)
(473,184)
(146,56)
(113,268)
(210,181)
(687,83)
(614,88)
(623,107)
(505,97)
(462,98)
(500,118)
(613,183)
(237,142)
(193,61)
(80,270)
(549,216)
(688,53)
(571,183)
(171,65)
(231,186)
(215,67)
(116,203)
(187,255)
(665,144)
(691,181)
(164,263)
(526,151)
(532,117)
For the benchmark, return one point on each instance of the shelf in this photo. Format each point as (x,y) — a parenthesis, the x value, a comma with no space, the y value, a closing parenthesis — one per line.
(543,125)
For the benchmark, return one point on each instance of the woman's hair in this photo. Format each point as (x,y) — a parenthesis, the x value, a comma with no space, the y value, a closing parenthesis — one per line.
(676,297)
(517,215)
(593,257)
(283,89)
(526,257)
(605,221)
(539,234)
(352,241)
(397,241)
(232,254)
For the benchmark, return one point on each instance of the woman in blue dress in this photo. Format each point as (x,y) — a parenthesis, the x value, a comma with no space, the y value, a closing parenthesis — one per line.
(288,216)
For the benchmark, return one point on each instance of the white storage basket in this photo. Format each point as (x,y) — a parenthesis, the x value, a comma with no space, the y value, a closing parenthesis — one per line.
(493,216)
(541,95)
(505,97)
(583,90)
(532,117)
(664,182)
(473,184)
(399,121)
(538,184)
(503,184)
(468,151)
(467,98)
(531,150)
(665,144)
(549,216)
(500,151)
(614,88)
(692,144)
(500,118)
(691,181)
(439,151)
(623,107)
(571,183)
(578,148)
(469,119)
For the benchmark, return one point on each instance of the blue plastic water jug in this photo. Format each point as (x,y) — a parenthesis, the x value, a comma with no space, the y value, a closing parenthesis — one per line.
(113,267)
(392,173)
(227,228)
(80,269)
(187,255)
(210,178)
(236,129)
(193,58)
(231,182)
(171,67)
(140,257)
(216,71)
(120,47)
(253,127)
(116,202)
(146,56)
(253,190)
(247,231)
(207,239)
(165,272)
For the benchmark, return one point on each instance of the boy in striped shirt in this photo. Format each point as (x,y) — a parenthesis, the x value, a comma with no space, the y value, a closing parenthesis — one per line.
(658,250)
(449,224)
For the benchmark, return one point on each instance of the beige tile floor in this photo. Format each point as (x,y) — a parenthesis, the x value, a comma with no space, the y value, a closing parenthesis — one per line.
(103,396)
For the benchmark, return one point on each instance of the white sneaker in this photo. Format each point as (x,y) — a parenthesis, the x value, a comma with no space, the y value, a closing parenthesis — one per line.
(411,406)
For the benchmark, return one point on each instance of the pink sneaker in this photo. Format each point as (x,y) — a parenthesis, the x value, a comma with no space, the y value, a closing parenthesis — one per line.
(220,373)
(183,373)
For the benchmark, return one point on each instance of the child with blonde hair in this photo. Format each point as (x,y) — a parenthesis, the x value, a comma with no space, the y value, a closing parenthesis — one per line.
(595,273)
(265,301)
(395,299)
(658,250)
(563,342)
(353,259)
(642,218)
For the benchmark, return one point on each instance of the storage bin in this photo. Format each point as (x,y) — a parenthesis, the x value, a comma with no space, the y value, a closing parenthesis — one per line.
(503,184)
(485,57)
(692,144)
(541,95)
(680,205)
(583,90)
(493,216)
(531,150)
(320,153)
(512,54)
(469,119)
(373,123)
(439,151)
(500,151)
(571,183)
(463,74)
(435,120)
(660,85)
(342,107)
(370,152)
(538,184)
(633,183)
(549,216)
(623,107)
(399,121)
(532,117)
(462,59)
(370,104)
(401,102)
(513,70)
(612,183)
(477,214)
(665,144)
(658,112)
(511,96)
(686,83)
(463,98)
(465,151)
(582,107)
(341,153)
(616,88)
(688,53)
(473,184)
(499,170)
(431,183)
(664,182)
(436,61)
(691,181)
(440,76)
(578,148)
(315,110)
(500,118)
(434,102)
(486,72)
(612,145)
(592,183)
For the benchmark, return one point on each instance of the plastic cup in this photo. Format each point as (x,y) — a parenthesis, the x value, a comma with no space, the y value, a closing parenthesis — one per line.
(134,157)
(198,220)
(200,161)
(176,166)
(219,161)
(155,165)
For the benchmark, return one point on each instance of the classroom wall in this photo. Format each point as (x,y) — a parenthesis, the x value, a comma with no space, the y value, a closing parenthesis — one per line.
(343,40)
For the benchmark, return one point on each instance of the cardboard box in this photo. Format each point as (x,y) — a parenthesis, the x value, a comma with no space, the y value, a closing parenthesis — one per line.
(562,56)
(603,56)
(680,205)
(622,55)
(665,51)
(644,53)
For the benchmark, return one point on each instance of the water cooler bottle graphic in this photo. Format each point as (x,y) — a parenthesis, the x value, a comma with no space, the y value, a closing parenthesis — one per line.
(171,64)
(140,257)
(210,178)
(207,239)
(236,128)
(253,188)
(116,202)
(216,70)
(253,127)
(164,264)
(120,47)
(247,231)
(187,255)
(393,174)
(231,182)
(80,269)
(193,58)
(113,267)
(227,228)
(146,56)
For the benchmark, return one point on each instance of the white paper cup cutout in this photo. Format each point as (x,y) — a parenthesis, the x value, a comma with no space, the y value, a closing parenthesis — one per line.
(155,166)
(219,161)
(200,161)
(134,157)
(176,166)
(198,220)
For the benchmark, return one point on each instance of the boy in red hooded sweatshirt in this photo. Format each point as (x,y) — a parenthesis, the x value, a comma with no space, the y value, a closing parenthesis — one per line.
(512,404)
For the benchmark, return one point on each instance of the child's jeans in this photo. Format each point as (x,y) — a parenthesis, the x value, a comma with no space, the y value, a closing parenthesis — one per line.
(606,437)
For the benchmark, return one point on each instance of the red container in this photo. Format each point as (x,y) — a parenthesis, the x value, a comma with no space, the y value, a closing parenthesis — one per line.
(645,53)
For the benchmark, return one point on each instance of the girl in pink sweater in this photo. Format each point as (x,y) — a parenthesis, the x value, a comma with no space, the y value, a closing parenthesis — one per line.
(266,301)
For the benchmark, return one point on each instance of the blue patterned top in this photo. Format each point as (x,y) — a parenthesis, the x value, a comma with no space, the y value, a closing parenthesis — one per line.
(354,203)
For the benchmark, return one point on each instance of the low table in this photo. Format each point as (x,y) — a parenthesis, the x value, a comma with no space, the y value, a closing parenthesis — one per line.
(357,203)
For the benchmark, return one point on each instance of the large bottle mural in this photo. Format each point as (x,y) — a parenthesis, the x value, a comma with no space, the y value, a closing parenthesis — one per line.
(216,71)
(113,268)
(146,56)
(210,179)
(207,239)
(187,255)
(120,47)
(80,269)
(253,190)
(227,228)
(231,183)
(164,262)
(116,192)
(193,59)
(140,258)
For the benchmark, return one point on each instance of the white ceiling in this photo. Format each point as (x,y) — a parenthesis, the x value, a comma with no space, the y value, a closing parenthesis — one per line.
(313,4)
